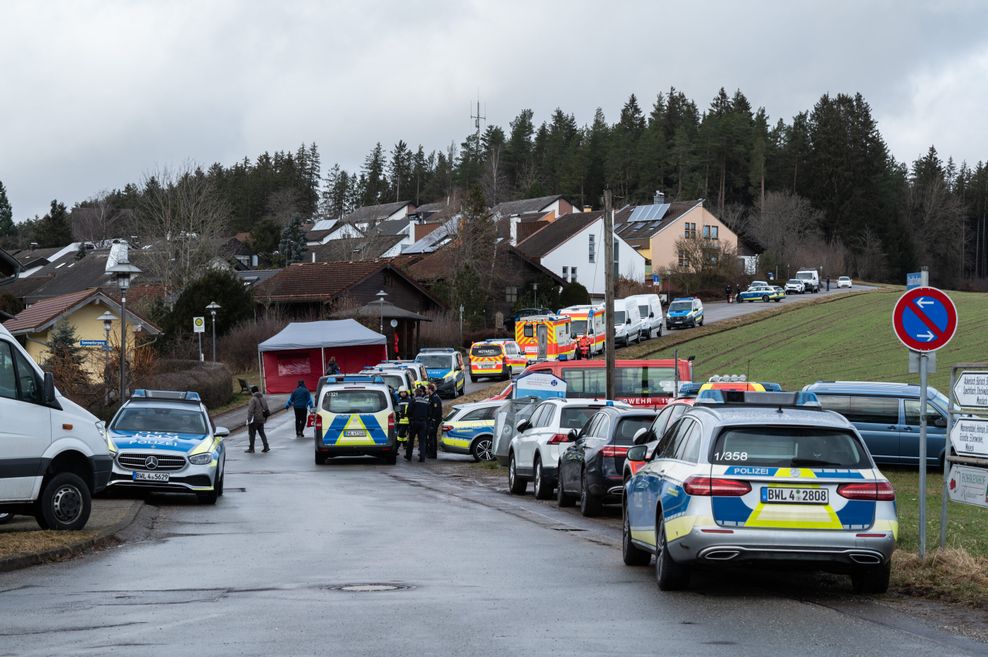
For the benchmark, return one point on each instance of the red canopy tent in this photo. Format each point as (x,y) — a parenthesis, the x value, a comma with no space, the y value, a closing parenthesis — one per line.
(300,352)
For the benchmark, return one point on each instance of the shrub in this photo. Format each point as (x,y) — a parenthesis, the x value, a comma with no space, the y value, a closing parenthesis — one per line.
(238,348)
(213,381)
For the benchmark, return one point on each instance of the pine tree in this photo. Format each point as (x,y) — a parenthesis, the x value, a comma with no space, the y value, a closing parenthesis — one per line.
(400,170)
(7,228)
(54,229)
(292,244)
(66,359)
(375,185)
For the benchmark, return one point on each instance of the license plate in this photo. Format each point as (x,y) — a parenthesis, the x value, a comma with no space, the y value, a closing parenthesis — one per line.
(150,476)
(354,433)
(777,495)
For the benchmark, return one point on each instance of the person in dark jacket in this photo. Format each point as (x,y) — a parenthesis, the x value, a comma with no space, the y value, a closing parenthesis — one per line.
(257,413)
(435,419)
(332,367)
(418,424)
(301,402)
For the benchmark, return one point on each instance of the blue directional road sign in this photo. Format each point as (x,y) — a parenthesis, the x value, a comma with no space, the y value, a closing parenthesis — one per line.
(924,319)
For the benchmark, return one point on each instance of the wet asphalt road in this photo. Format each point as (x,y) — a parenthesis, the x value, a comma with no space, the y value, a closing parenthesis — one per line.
(483,573)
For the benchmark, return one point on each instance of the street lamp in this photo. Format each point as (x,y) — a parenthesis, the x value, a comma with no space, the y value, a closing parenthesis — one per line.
(212,308)
(107,319)
(380,299)
(122,273)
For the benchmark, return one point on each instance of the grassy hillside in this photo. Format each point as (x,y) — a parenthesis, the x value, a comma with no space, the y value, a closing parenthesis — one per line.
(849,339)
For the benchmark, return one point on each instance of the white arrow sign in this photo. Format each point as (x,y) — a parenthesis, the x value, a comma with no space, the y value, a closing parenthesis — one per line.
(926,336)
(969,436)
(971,390)
(968,485)
(923,301)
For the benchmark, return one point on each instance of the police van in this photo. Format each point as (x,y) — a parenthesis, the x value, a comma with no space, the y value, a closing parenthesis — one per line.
(54,453)
(355,416)
(445,368)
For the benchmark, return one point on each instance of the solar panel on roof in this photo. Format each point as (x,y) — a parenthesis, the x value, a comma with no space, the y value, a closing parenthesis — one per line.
(649,212)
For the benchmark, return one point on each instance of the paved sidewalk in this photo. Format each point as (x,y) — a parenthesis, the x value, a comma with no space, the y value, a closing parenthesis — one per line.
(236,419)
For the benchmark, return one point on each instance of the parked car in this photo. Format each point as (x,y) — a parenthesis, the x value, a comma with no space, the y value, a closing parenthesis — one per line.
(760,479)
(397,378)
(469,429)
(761,293)
(627,322)
(887,417)
(444,366)
(652,435)
(844,281)
(534,451)
(591,468)
(650,309)
(684,312)
(795,286)
(355,416)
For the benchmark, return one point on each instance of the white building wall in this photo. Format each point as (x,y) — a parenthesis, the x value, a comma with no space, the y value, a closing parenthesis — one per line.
(575,252)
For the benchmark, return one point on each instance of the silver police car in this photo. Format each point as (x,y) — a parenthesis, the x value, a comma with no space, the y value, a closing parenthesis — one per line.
(760,478)
(164,441)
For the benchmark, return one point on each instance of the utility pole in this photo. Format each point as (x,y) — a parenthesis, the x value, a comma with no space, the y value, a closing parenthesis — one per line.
(609,294)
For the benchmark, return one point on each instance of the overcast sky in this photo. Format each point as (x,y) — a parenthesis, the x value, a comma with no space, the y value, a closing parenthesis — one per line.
(93,94)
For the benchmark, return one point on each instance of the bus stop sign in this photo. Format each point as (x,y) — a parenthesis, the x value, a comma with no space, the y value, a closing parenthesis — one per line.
(924,319)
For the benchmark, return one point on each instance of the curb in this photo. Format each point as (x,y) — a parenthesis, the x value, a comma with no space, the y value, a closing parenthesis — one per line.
(104,538)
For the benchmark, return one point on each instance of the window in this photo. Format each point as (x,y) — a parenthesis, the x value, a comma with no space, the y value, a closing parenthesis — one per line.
(30,385)
(912,413)
(572,275)
(575,417)
(166,420)
(528,331)
(867,410)
(354,401)
(673,441)
(627,428)
(711,232)
(683,260)
(689,449)
(690,229)
(789,447)
(592,248)
(479,414)
(565,273)
(8,378)
(510,294)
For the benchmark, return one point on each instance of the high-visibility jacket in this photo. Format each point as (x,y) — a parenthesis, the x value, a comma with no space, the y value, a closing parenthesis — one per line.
(403,404)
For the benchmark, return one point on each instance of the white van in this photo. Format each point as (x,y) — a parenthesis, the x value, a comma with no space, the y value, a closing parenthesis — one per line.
(650,308)
(627,322)
(810,278)
(55,455)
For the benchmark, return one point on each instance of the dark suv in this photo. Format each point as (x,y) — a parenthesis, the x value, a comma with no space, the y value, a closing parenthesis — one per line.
(887,417)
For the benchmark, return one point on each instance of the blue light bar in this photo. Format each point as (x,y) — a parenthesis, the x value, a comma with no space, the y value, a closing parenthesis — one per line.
(169,395)
(353,378)
(803,400)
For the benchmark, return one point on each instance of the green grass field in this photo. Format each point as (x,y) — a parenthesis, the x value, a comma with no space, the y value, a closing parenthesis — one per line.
(848,339)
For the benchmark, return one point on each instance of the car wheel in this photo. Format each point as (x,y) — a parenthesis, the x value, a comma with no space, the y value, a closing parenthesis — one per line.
(765,298)
(632,554)
(516,485)
(482,449)
(320,459)
(872,580)
(543,488)
(208,497)
(563,499)
(589,505)
(506,374)
(220,482)
(473,379)
(65,503)
(5,518)
(669,575)
(701,321)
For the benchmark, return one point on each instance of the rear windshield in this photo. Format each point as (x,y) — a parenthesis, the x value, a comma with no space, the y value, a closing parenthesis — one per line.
(354,401)
(619,317)
(163,420)
(680,306)
(486,351)
(787,447)
(574,417)
(393,380)
(627,428)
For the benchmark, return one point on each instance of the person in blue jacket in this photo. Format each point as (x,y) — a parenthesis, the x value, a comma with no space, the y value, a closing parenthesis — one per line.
(301,401)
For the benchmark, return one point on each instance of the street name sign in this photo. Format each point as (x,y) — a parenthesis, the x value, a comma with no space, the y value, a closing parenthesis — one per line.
(924,319)
(969,436)
(971,390)
(198,324)
(92,343)
(968,485)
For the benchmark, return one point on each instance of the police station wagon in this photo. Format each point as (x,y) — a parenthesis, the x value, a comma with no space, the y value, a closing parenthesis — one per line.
(761,478)
(355,416)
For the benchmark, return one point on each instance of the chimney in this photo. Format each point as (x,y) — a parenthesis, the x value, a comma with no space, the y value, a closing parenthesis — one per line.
(513,230)
(659,198)
(587,208)
(313,257)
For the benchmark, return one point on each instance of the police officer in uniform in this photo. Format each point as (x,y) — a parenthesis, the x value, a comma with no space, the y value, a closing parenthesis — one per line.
(418,424)
(435,419)
(404,406)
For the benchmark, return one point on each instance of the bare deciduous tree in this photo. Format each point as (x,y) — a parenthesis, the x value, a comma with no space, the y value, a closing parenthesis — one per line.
(183,221)
(783,223)
(96,220)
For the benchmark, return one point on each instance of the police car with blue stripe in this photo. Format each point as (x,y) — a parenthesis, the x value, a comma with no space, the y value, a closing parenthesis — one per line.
(760,478)
(445,368)
(685,312)
(164,441)
(355,416)
(469,429)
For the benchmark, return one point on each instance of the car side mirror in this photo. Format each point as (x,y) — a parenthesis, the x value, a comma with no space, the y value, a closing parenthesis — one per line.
(523,426)
(221,432)
(627,321)
(642,436)
(637,453)
(48,389)
(571,436)
(651,315)
(940,422)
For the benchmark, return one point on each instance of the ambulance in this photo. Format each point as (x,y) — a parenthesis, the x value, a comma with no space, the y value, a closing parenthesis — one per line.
(545,337)
(587,321)
(496,359)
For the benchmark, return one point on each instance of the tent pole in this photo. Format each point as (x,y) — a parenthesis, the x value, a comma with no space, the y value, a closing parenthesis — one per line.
(260,367)
(322,361)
